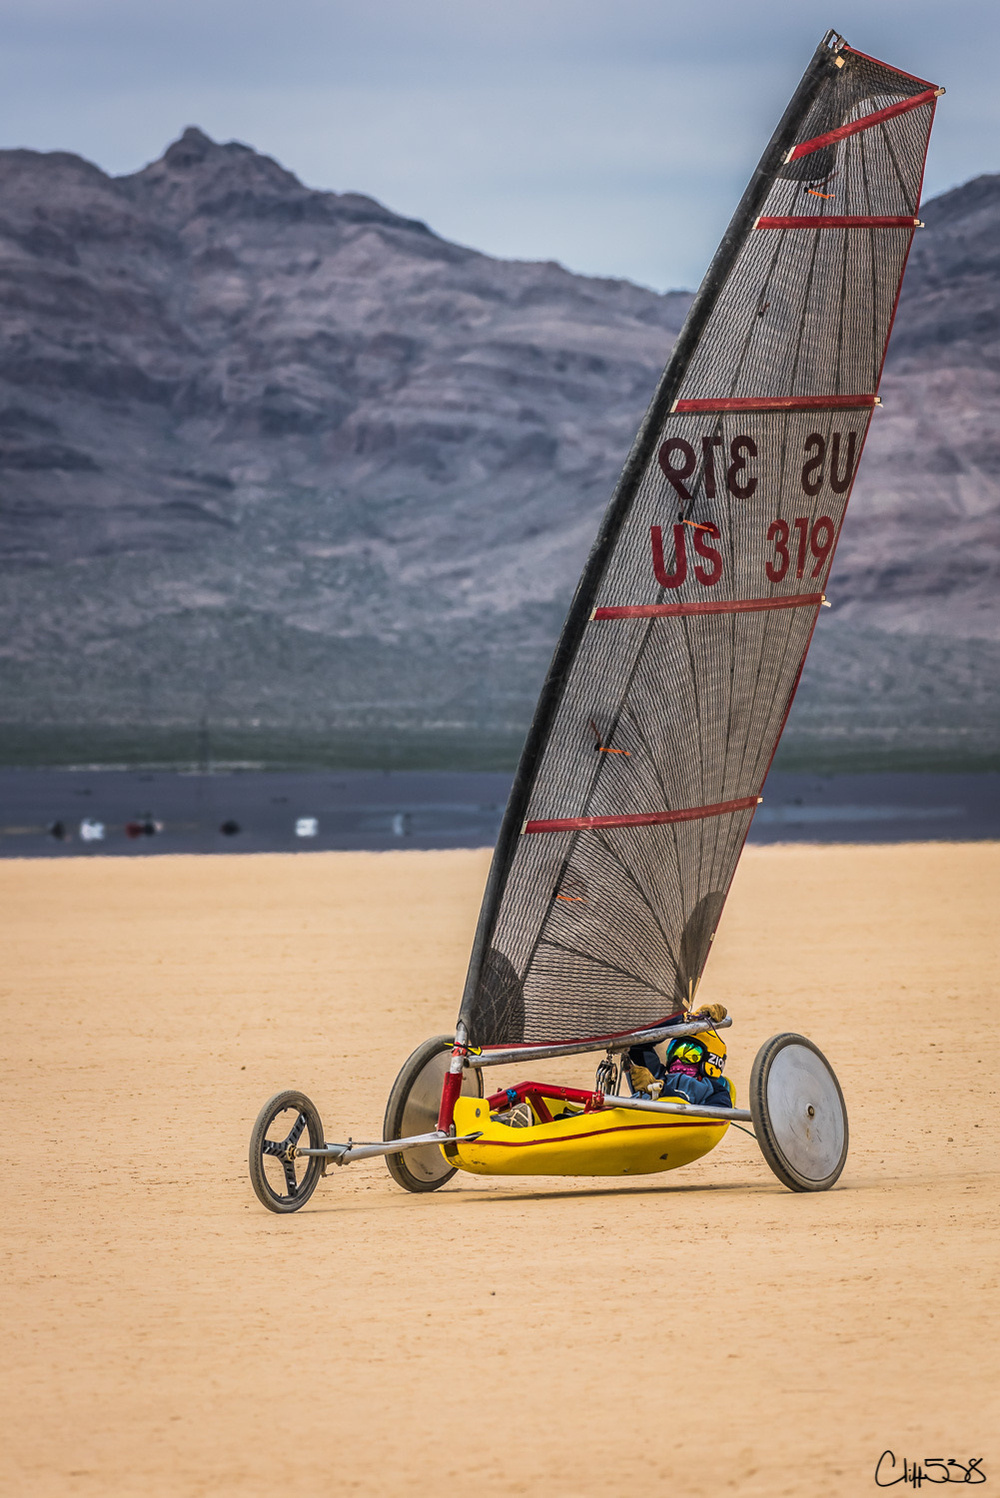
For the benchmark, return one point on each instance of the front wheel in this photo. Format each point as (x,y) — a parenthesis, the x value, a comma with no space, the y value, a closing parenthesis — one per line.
(283,1180)
(799,1114)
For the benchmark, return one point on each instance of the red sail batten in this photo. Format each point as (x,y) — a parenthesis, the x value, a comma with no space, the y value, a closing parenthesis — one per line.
(844,131)
(753,403)
(720,606)
(838,221)
(641,818)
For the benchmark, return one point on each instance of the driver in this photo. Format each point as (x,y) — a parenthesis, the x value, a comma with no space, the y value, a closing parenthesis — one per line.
(692,1068)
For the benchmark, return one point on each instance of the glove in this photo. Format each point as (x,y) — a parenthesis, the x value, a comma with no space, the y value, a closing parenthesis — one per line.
(715,1012)
(641,1078)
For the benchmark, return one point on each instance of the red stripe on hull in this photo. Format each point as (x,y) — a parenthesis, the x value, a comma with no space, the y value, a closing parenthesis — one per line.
(527,1144)
(720,606)
(641,818)
(837,221)
(832,136)
(776,403)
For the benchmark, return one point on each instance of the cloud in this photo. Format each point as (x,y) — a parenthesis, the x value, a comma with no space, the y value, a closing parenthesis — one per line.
(614,137)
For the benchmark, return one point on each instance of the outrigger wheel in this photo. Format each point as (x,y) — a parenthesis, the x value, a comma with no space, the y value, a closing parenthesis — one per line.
(413,1109)
(283,1180)
(798,1113)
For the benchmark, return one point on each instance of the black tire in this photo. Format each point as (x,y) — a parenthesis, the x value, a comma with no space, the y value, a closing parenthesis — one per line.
(269,1172)
(799,1114)
(413,1109)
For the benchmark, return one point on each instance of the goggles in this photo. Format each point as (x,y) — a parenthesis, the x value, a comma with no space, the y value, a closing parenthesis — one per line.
(691,1052)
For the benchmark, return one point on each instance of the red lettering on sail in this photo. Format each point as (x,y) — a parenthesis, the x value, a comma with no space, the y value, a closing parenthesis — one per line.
(676,476)
(841,482)
(663,577)
(816,537)
(707,576)
(812,469)
(802,526)
(741,450)
(821,542)
(777,532)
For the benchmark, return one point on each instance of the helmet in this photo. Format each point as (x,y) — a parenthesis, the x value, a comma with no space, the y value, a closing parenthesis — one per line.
(704,1050)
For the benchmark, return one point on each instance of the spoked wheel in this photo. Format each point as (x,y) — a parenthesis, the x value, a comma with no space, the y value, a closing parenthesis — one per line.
(798,1113)
(413,1109)
(283,1181)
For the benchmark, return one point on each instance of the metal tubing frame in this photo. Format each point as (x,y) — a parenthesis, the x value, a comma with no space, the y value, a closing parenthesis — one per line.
(611,1043)
(343,1154)
(690,1110)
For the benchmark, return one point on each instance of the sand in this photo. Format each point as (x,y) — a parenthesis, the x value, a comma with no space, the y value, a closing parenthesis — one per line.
(700,1332)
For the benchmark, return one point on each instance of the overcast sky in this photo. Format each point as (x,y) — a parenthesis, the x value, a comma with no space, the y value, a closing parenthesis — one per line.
(612,135)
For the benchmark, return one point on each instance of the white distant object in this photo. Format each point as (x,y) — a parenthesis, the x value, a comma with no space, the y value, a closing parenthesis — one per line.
(91,831)
(306,827)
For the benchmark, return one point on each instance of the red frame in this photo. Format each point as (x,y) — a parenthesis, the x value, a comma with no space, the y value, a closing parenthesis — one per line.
(754,403)
(844,131)
(641,818)
(838,221)
(711,606)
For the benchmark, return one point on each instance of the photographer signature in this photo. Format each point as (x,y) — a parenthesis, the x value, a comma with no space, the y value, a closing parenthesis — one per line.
(916,1473)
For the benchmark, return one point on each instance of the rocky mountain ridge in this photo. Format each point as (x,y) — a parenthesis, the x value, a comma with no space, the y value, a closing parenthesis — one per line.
(282,466)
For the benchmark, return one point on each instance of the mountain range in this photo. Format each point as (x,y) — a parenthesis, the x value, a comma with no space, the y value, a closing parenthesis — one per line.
(285,476)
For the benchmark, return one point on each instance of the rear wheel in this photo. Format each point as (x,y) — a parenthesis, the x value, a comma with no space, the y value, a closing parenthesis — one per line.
(798,1113)
(413,1109)
(284,1181)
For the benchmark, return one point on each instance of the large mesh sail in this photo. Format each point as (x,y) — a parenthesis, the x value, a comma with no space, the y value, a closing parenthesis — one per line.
(678,662)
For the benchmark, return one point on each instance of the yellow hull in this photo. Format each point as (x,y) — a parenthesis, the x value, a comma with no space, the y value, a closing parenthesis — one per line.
(612,1142)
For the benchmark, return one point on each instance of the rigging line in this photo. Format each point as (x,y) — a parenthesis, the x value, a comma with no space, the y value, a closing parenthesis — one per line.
(805,308)
(612,967)
(767,646)
(872,255)
(843,291)
(591,789)
(644,742)
(660,781)
(756,324)
(630,876)
(891,152)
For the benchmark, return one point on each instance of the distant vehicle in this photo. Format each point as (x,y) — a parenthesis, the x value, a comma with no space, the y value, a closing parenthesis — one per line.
(143,826)
(307,827)
(91,831)
(664,704)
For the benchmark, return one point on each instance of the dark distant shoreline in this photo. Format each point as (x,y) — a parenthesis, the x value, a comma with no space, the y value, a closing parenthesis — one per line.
(137,812)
